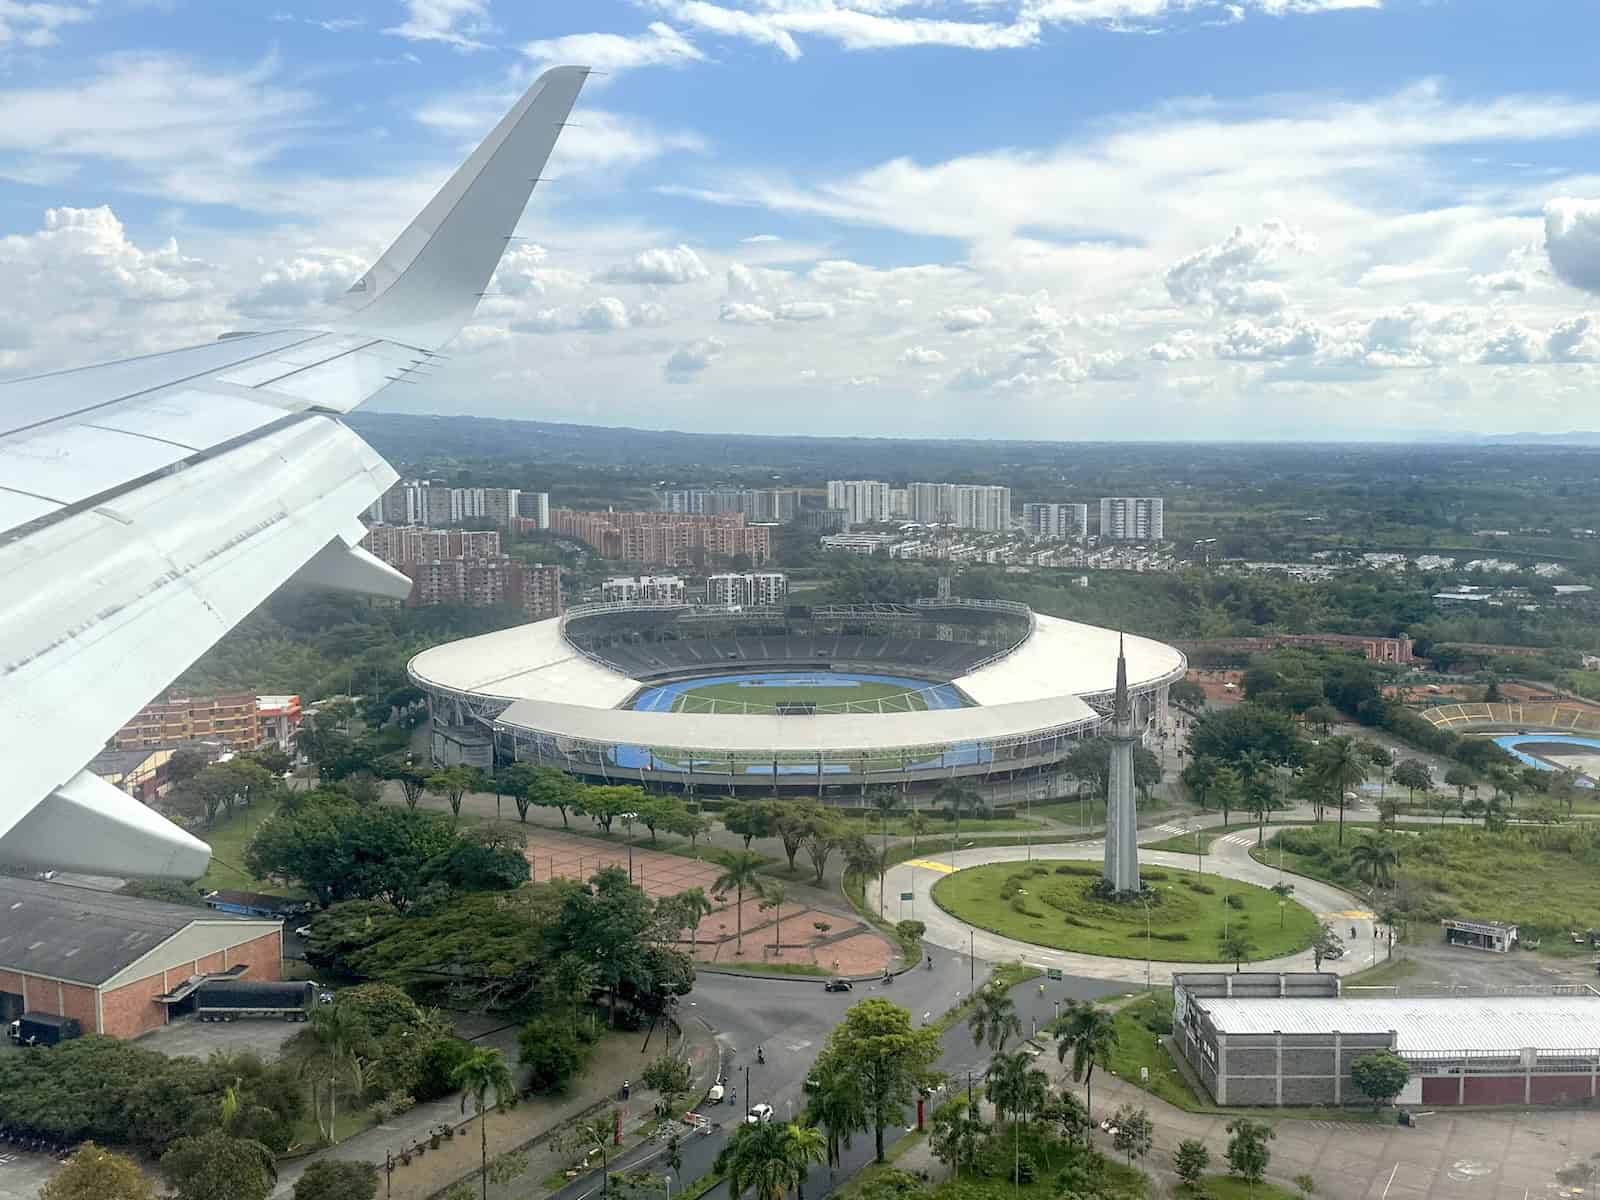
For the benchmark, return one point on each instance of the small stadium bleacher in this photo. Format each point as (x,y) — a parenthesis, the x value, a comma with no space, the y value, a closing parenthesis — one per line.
(1559,715)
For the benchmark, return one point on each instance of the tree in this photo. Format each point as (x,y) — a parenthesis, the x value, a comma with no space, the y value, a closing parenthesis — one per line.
(549,788)
(215,1166)
(1325,943)
(836,1105)
(1227,789)
(802,1146)
(669,1075)
(751,819)
(1226,733)
(1235,947)
(1381,1076)
(773,898)
(1414,775)
(1188,693)
(1014,1085)
(1134,1132)
(823,836)
(885,1058)
(792,821)
(756,1159)
(484,1074)
(592,1136)
(325,1051)
(95,1174)
(740,870)
(994,1018)
(1374,859)
(453,783)
(959,1134)
(1190,1160)
(916,826)
(1247,1149)
(1089,1034)
(1260,796)
(332,1179)
(1339,766)
(552,1053)
(1460,777)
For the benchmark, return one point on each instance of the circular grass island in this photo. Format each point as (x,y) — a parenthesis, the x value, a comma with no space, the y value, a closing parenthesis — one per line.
(1049,903)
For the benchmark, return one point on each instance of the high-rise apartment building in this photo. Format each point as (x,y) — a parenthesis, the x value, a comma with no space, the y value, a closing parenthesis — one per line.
(230,720)
(657,589)
(750,588)
(765,506)
(1057,522)
(535,506)
(670,539)
(900,503)
(499,582)
(401,544)
(864,500)
(964,505)
(1132,519)
(420,502)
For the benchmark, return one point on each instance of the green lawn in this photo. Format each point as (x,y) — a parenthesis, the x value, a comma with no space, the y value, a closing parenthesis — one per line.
(861,697)
(1184,843)
(227,840)
(1541,878)
(1070,812)
(936,825)
(1227,1187)
(1186,917)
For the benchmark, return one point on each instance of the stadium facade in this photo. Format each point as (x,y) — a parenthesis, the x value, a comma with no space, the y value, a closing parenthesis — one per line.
(992,691)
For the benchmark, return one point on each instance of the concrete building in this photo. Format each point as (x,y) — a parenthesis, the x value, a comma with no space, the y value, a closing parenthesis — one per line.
(279,720)
(864,501)
(535,506)
(660,589)
(964,505)
(667,539)
(822,520)
(1374,647)
(140,773)
(231,721)
(760,588)
(1262,1039)
(860,543)
(399,545)
(1056,522)
(900,503)
(1132,519)
(119,965)
(493,582)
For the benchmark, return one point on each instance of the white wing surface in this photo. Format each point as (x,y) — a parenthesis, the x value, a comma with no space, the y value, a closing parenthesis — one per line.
(147,506)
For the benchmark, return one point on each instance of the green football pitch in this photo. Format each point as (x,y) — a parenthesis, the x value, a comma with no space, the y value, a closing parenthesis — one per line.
(864,696)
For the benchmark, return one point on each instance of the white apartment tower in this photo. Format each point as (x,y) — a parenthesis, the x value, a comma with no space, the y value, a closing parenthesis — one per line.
(749,589)
(1056,522)
(864,501)
(1131,519)
(661,589)
(965,505)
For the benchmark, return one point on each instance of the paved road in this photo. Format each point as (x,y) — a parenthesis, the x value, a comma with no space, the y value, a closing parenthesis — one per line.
(1230,857)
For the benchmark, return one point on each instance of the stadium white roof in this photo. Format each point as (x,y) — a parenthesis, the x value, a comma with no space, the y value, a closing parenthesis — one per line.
(528,662)
(1061,660)
(1425,1025)
(1070,658)
(830,733)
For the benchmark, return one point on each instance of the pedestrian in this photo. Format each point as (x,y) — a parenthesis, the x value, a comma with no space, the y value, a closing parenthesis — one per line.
(627,1089)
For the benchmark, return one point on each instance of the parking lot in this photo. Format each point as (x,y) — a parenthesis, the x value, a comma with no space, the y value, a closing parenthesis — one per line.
(198,1039)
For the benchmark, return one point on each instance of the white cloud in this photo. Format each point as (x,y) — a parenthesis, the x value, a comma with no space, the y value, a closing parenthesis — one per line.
(666,265)
(299,284)
(603,315)
(1174,350)
(1248,340)
(650,315)
(35,24)
(1512,344)
(1572,239)
(690,360)
(745,314)
(729,22)
(1501,281)
(1225,274)
(805,310)
(660,46)
(920,356)
(961,318)
(458,23)
(1576,339)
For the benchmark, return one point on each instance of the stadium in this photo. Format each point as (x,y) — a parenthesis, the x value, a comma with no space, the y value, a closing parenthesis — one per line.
(824,700)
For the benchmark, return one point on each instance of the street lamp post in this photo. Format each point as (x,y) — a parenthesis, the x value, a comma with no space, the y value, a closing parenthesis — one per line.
(1146,900)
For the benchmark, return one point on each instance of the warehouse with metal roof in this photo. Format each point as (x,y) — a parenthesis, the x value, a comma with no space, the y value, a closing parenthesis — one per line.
(109,960)
(1263,1039)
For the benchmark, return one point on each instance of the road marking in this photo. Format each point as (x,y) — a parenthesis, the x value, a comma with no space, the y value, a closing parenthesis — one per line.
(1390,1184)
(928,864)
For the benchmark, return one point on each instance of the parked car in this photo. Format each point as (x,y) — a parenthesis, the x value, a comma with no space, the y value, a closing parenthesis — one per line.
(759,1114)
(836,985)
(1335,950)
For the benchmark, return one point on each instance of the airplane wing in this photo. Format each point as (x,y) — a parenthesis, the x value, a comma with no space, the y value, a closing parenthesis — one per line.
(148,505)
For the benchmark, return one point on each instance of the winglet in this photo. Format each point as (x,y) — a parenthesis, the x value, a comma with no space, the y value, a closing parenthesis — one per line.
(425,286)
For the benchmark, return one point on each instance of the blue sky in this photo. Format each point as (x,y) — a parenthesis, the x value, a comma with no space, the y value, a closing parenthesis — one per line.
(1052,218)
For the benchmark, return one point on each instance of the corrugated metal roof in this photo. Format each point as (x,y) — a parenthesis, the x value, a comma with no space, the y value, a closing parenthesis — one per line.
(1425,1025)
(80,934)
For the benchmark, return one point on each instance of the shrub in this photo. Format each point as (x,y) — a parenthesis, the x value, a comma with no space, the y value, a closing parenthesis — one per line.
(1173,935)
(1035,872)
(1234,900)
(327,1179)
(1155,873)
(552,1054)
(439,1061)
(1195,885)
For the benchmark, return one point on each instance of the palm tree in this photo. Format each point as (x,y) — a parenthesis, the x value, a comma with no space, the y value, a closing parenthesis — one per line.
(916,825)
(1373,858)
(593,1136)
(1090,1034)
(1013,1084)
(994,1018)
(1340,766)
(740,869)
(1235,947)
(692,906)
(836,1108)
(803,1145)
(571,979)
(756,1158)
(333,1036)
(773,898)
(483,1073)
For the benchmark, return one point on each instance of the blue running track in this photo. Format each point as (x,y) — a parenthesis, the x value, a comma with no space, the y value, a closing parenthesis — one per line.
(1510,742)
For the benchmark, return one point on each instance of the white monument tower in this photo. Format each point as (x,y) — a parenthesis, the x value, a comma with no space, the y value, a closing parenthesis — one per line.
(1122,825)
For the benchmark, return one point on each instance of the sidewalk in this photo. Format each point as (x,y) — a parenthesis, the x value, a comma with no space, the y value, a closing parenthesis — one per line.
(616,1057)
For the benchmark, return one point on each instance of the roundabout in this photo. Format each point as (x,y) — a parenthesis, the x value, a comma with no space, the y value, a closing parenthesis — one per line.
(1311,901)
(1183,917)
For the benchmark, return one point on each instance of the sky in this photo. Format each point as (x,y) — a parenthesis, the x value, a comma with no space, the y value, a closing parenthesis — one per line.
(1050,219)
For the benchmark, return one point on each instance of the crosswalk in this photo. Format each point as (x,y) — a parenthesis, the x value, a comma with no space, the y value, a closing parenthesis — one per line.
(1169,827)
(1238,839)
